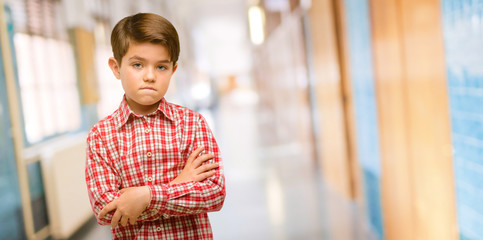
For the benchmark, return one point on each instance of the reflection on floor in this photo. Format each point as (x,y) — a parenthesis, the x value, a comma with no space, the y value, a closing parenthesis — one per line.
(273,192)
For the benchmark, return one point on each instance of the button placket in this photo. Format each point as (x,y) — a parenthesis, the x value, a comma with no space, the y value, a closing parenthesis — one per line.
(150,179)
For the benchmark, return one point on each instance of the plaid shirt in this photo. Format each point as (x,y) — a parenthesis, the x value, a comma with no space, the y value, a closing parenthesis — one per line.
(130,150)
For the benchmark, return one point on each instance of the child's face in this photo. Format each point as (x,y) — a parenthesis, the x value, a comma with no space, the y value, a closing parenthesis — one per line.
(145,73)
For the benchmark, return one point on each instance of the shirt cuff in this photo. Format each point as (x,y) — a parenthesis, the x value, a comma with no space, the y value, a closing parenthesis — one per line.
(159,199)
(180,189)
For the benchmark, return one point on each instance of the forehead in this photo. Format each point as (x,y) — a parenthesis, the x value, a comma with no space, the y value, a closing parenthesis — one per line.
(148,51)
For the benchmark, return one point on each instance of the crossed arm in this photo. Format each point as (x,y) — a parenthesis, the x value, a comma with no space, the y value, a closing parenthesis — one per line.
(134,200)
(198,188)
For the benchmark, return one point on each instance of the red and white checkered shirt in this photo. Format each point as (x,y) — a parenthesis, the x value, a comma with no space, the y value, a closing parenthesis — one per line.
(130,150)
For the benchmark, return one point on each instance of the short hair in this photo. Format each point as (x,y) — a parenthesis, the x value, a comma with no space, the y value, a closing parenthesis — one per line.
(141,28)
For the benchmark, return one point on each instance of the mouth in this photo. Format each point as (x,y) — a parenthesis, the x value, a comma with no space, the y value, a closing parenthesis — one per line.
(148,88)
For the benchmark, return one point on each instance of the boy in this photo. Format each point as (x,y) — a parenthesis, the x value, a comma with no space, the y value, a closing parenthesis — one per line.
(145,173)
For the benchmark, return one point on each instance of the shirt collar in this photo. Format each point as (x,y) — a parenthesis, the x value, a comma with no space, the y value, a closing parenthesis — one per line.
(125,111)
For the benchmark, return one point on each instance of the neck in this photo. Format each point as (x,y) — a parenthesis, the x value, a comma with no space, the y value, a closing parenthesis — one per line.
(142,109)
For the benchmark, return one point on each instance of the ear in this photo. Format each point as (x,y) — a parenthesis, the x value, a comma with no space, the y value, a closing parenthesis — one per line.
(115,67)
(175,67)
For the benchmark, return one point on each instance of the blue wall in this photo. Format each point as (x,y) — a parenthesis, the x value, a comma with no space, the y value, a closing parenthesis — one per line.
(360,50)
(463,36)
(11,226)
(11,220)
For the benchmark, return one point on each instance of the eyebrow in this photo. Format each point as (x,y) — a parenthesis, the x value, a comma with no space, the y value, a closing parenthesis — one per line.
(135,57)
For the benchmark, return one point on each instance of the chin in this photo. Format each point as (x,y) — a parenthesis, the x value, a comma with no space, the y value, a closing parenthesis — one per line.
(149,102)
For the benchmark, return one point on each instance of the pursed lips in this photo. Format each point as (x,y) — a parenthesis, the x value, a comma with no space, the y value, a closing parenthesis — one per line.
(148,88)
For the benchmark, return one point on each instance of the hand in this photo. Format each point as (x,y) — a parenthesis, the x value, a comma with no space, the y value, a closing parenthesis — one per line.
(132,202)
(194,171)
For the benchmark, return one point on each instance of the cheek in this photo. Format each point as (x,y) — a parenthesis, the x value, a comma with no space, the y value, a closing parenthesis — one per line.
(130,76)
(164,83)
(126,75)
(128,81)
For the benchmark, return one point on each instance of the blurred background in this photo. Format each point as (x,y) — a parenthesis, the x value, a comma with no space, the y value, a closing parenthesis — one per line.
(336,119)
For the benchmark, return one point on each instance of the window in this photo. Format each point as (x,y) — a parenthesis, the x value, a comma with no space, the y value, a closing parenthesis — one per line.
(46,70)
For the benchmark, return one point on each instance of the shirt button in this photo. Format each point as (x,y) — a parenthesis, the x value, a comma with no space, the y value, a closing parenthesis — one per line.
(149,154)
(158,229)
(147,130)
(150,179)
(165,216)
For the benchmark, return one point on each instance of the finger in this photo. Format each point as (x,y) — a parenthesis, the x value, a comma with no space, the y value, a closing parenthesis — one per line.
(124,190)
(195,154)
(109,207)
(124,220)
(206,168)
(115,219)
(132,220)
(201,159)
(205,175)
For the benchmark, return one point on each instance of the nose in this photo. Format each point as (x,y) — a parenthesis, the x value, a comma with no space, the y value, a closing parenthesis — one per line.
(149,75)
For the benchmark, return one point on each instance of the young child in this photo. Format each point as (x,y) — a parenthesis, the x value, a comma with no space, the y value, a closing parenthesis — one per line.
(153,168)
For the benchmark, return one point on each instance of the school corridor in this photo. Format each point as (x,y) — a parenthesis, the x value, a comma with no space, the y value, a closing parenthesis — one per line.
(336,119)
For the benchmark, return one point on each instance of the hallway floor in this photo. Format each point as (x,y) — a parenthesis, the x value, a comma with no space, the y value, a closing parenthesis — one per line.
(273,192)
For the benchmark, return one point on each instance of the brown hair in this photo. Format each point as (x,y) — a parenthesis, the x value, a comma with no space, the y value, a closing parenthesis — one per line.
(144,27)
